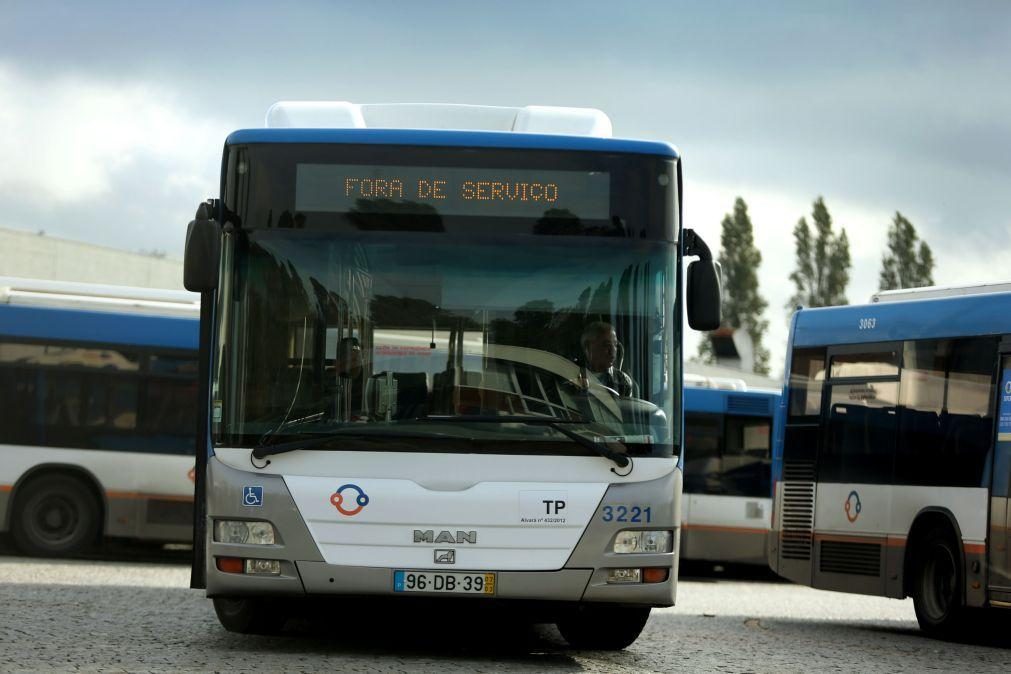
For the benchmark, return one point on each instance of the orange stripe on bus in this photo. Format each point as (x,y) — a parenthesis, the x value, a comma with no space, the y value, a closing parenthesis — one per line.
(133,495)
(126,495)
(729,530)
(849,539)
(892,542)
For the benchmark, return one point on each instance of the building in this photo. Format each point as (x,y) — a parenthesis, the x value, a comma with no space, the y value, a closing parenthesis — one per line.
(30,255)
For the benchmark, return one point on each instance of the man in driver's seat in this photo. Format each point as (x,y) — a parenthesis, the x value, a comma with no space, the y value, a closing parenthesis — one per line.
(600,349)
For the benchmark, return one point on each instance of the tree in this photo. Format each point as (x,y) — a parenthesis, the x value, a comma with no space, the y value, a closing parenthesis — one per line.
(823,263)
(903,265)
(742,303)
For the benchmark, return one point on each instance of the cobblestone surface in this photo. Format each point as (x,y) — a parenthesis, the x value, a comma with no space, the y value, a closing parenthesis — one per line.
(113,616)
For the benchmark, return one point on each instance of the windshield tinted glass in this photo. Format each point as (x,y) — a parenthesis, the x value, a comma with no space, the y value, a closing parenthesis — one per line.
(370,332)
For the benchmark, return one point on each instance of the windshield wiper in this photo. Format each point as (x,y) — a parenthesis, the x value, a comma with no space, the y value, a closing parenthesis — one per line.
(594,446)
(262,451)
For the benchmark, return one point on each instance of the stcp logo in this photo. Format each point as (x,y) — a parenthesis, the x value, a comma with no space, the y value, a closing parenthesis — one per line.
(349,499)
(852,506)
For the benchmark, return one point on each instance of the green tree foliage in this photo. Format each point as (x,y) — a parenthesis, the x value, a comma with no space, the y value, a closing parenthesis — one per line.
(823,262)
(905,265)
(742,304)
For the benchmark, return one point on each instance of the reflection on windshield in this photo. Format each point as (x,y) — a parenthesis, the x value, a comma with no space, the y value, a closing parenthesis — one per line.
(321,332)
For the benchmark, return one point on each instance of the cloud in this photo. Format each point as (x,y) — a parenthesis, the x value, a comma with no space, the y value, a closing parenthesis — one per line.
(69,139)
(773,215)
(102,160)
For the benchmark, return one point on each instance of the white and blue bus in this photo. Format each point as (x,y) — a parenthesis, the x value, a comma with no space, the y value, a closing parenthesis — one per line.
(98,390)
(727,501)
(443,363)
(892,475)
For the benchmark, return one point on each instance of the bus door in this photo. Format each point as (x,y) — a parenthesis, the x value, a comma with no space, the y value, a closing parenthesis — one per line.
(855,468)
(1000,504)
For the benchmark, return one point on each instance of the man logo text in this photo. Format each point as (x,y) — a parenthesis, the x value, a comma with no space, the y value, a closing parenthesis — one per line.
(429,536)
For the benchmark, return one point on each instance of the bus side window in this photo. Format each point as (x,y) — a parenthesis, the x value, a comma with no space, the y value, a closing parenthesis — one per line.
(746,456)
(945,417)
(703,437)
(807,376)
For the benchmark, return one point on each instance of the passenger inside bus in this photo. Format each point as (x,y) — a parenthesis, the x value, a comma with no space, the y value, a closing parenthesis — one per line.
(600,353)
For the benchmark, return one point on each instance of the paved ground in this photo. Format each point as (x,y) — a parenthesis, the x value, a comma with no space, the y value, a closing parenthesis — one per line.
(129,616)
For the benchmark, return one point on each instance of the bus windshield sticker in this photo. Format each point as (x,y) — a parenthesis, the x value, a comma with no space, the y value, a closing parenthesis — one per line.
(1004,422)
(543,507)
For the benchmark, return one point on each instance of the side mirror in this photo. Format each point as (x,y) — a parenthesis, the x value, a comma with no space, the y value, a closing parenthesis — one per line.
(704,296)
(203,249)
(702,291)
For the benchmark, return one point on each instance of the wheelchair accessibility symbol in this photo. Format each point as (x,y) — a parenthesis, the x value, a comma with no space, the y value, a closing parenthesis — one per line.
(252,496)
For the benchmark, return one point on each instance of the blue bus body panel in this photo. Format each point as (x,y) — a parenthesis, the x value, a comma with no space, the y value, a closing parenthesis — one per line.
(721,401)
(104,327)
(439,138)
(959,316)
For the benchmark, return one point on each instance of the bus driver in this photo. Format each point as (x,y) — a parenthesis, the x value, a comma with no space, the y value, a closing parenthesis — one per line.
(600,349)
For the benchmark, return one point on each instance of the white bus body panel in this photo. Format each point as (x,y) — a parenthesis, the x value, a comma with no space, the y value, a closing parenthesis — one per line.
(517,528)
(97,297)
(127,480)
(528,119)
(502,496)
(889,510)
(725,528)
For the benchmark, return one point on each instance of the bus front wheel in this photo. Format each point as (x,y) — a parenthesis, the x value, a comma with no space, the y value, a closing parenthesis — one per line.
(55,515)
(937,589)
(250,615)
(602,626)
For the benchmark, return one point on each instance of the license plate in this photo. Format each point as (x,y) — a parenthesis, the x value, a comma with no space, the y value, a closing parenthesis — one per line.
(456,583)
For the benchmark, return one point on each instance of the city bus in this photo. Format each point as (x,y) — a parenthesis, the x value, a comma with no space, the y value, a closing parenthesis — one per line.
(727,501)
(98,390)
(443,362)
(892,475)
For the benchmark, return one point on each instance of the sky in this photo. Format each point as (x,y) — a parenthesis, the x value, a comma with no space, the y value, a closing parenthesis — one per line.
(113,114)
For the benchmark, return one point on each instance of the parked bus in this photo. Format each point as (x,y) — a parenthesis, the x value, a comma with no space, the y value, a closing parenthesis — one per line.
(892,476)
(728,471)
(443,363)
(98,392)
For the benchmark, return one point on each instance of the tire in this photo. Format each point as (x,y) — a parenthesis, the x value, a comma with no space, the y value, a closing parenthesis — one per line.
(603,627)
(938,585)
(251,615)
(55,516)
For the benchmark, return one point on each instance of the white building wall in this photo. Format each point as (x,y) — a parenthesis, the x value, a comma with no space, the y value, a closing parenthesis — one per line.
(29,255)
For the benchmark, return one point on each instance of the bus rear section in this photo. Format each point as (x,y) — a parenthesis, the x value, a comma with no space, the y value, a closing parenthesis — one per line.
(98,387)
(892,475)
(444,364)
(728,490)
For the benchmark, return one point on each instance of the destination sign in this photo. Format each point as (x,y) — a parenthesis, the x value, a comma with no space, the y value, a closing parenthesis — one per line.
(523,193)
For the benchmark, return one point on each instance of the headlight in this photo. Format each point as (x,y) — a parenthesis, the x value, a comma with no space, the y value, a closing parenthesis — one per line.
(642,541)
(263,567)
(240,531)
(622,576)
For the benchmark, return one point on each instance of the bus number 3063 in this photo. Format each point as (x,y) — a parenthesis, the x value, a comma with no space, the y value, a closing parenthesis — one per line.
(868,323)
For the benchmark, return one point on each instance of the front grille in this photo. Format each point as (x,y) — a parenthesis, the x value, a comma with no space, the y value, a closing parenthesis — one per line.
(858,559)
(797,520)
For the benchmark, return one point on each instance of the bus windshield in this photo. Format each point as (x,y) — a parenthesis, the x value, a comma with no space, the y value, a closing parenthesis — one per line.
(381,333)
